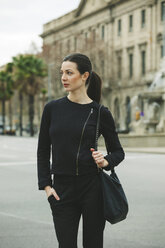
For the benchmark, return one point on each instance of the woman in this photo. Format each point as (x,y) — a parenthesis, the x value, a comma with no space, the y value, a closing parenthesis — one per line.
(68,129)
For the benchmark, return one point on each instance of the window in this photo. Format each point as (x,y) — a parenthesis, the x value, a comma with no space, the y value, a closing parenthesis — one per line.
(119,27)
(128,113)
(117,113)
(130,65)
(162,51)
(163,11)
(143,18)
(130,23)
(119,63)
(143,62)
(102,32)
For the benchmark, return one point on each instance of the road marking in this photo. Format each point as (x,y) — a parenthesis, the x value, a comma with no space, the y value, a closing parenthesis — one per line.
(18,163)
(26,219)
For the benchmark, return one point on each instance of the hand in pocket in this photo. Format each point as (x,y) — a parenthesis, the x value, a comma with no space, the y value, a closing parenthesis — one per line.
(51,191)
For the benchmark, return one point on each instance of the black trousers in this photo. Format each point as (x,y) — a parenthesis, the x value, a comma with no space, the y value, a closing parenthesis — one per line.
(79,195)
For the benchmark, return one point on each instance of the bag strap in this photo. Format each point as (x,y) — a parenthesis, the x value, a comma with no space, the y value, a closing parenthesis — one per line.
(97,128)
(97,135)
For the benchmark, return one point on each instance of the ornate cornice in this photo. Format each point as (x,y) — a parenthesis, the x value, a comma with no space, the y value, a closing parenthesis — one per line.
(77,14)
(114,2)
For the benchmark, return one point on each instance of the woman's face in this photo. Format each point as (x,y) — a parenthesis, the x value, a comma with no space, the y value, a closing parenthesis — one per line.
(71,77)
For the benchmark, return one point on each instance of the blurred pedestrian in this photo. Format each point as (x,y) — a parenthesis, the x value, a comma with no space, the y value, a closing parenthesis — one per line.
(67,131)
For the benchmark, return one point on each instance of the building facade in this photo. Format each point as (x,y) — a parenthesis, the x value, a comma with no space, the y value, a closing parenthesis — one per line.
(124,40)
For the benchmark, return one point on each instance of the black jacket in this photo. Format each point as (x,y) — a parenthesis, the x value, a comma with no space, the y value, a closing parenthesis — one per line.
(67,132)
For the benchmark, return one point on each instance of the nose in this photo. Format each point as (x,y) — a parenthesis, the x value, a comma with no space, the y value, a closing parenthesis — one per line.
(63,77)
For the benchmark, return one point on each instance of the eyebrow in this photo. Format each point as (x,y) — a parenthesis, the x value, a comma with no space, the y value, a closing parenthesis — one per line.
(67,69)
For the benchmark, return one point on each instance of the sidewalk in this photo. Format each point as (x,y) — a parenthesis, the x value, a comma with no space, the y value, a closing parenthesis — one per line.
(153,150)
(13,140)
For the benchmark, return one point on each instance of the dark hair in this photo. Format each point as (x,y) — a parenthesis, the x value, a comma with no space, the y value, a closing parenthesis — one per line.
(94,81)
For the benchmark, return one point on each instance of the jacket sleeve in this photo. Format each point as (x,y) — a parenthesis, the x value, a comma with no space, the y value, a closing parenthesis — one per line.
(115,153)
(43,151)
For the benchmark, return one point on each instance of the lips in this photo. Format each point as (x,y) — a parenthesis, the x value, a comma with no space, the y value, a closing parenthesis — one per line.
(65,85)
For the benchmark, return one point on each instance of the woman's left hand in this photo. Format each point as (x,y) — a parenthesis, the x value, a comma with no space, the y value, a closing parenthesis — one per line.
(99,158)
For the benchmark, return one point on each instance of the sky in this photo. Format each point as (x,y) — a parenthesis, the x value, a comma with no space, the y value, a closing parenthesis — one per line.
(21,23)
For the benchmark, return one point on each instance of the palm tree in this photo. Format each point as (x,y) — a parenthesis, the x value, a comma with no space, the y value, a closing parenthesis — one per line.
(6,91)
(28,73)
(19,81)
(9,69)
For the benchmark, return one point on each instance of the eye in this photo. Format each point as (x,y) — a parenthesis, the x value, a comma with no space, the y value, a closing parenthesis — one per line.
(69,72)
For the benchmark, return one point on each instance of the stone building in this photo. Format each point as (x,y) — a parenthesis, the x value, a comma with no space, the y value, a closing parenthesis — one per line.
(123,38)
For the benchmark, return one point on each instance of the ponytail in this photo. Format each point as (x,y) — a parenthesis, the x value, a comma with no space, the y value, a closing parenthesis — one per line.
(94,87)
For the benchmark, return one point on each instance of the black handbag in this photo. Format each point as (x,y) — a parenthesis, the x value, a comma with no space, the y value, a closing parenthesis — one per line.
(114,199)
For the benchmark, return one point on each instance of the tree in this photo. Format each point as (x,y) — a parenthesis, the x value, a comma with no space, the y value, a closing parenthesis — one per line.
(28,73)
(18,74)
(6,91)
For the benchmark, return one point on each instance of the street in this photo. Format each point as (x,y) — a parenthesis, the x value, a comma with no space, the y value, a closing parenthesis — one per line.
(25,216)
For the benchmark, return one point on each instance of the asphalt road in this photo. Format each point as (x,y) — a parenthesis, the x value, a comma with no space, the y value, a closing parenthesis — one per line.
(25,216)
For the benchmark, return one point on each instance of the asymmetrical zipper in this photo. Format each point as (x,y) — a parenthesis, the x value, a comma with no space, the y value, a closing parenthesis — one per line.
(81,140)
